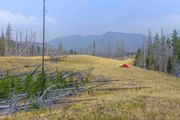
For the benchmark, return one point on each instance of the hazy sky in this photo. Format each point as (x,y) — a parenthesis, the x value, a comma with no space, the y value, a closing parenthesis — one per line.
(67,17)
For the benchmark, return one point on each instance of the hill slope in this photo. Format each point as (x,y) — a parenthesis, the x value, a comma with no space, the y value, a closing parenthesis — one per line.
(132,41)
(160,101)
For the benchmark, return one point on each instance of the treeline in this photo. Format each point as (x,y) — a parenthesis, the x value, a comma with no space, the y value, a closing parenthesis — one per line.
(60,51)
(18,43)
(23,43)
(112,49)
(160,53)
(107,49)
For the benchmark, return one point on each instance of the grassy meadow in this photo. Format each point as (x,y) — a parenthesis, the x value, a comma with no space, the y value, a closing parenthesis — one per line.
(159,101)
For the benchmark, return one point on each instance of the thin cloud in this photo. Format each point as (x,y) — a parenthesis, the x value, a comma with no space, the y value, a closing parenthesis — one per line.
(19,21)
(171,22)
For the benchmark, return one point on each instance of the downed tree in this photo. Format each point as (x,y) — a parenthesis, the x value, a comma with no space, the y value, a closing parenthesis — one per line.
(73,101)
(60,89)
(123,88)
(52,94)
(22,74)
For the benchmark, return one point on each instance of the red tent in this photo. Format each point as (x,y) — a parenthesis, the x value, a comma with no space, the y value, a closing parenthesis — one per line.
(125,66)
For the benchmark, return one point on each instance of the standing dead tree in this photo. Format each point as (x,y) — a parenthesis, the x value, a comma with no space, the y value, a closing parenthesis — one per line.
(94,48)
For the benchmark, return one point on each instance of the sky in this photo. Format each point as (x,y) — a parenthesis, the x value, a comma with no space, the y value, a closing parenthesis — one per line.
(85,17)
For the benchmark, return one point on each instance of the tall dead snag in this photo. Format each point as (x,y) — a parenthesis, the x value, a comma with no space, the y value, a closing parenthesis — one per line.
(94,48)
(8,39)
(43,51)
(17,43)
(163,52)
(2,44)
(109,49)
(60,49)
(144,53)
(122,49)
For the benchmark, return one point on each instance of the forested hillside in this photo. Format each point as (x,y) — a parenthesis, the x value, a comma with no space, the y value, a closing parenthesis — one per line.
(160,53)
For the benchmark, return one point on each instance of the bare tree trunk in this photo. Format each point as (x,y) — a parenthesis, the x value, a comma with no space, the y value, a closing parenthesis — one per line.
(144,58)
(16,46)
(109,49)
(122,49)
(94,48)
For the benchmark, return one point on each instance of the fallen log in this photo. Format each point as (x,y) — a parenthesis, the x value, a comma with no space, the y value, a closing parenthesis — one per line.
(4,107)
(15,99)
(114,89)
(61,94)
(14,106)
(16,75)
(86,89)
(72,101)
(35,70)
(103,80)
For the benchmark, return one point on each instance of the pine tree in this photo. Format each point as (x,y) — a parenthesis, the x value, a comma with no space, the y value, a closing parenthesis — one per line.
(163,53)
(175,40)
(178,49)
(139,58)
(71,52)
(157,51)
(169,65)
(150,53)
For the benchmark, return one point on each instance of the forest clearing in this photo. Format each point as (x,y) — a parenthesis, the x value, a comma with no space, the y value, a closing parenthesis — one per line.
(90,60)
(131,93)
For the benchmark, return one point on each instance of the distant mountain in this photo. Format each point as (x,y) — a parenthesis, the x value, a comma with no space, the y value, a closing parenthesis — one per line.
(132,41)
(73,42)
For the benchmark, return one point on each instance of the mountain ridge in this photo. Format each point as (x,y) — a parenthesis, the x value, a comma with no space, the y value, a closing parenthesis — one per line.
(132,40)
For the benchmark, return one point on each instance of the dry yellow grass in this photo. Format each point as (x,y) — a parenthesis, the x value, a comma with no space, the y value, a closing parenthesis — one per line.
(159,102)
